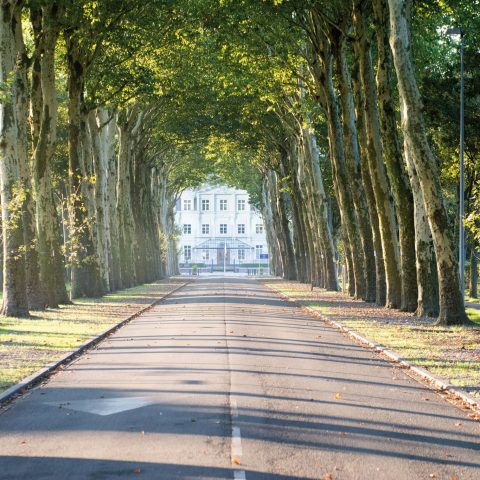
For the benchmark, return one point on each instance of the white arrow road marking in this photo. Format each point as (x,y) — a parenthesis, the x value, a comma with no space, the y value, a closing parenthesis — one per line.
(105,406)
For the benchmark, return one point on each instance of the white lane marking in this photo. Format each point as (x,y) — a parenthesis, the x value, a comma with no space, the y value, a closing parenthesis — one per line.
(234,408)
(236,445)
(236,442)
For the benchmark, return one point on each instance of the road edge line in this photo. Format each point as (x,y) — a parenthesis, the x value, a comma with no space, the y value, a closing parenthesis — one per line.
(439,383)
(21,388)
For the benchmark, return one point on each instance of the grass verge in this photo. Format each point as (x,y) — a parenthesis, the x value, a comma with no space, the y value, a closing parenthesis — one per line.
(29,344)
(452,353)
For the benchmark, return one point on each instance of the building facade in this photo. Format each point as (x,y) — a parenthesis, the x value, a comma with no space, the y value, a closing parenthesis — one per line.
(219,228)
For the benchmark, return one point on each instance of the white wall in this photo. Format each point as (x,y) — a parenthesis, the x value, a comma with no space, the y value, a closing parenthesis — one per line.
(215,217)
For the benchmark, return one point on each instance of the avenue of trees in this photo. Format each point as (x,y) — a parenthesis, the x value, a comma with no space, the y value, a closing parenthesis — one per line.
(339,117)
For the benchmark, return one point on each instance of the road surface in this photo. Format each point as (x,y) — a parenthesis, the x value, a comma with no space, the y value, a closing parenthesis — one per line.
(225,380)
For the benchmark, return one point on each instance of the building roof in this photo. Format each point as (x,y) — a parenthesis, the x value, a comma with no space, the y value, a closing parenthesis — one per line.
(218,243)
(216,188)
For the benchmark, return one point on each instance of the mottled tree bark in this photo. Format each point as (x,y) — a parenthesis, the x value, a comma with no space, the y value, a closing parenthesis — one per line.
(128,123)
(115,279)
(322,71)
(34,287)
(85,275)
(98,128)
(275,257)
(15,301)
(44,126)
(277,204)
(427,279)
(320,210)
(352,156)
(374,152)
(379,264)
(392,154)
(452,309)
(299,234)
(474,271)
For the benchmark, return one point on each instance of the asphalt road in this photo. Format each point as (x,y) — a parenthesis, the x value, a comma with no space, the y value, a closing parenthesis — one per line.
(224,380)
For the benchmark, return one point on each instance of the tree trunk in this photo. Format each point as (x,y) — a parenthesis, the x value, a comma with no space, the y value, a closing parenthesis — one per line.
(15,301)
(277,203)
(320,210)
(296,168)
(299,234)
(85,278)
(323,77)
(473,271)
(44,125)
(115,279)
(352,156)
(380,186)
(379,264)
(452,309)
(274,251)
(34,288)
(97,121)
(392,154)
(127,122)
(427,279)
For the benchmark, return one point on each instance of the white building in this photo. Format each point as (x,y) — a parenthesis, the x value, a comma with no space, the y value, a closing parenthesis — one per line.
(219,226)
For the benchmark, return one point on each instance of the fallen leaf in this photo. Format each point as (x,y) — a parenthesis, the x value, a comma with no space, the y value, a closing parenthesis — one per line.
(433,475)
(235,461)
(137,471)
(338,396)
(328,476)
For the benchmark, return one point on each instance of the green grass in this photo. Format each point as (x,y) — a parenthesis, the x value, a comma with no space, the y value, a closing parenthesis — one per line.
(474,315)
(452,353)
(26,345)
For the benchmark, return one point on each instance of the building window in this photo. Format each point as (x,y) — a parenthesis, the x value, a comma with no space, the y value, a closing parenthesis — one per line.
(223,228)
(223,205)
(240,205)
(205,205)
(187,252)
(241,254)
(259,228)
(187,204)
(241,228)
(205,228)
(206,254)
(258,251)
(187,228)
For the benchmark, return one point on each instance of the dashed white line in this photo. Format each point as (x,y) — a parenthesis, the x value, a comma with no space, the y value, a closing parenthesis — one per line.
(236,442)
(236,448)
(233,407)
